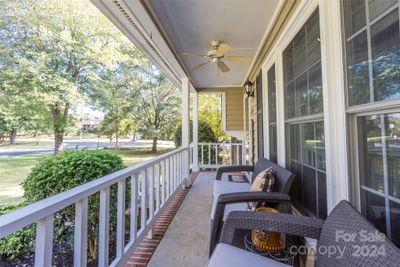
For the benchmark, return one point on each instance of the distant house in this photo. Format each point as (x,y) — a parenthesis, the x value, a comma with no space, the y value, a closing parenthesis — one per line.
(89,124)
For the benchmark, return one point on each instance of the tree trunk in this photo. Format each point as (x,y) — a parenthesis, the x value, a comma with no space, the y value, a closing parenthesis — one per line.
(13,136)
(116,139)
(60,120)
(154,148)
(58,141)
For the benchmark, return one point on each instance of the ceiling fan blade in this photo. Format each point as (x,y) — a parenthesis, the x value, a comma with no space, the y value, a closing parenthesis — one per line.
(244,59)
(223,48)
(223,67)
(199,65)
(193,54)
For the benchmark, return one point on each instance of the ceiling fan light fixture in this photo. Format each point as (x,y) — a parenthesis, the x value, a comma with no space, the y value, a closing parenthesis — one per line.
(248,87)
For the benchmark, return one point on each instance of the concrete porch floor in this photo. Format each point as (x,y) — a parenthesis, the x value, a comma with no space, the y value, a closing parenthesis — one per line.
(186,241)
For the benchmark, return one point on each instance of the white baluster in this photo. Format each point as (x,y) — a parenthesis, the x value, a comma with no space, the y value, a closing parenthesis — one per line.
(134,196)
(104,225)
(143,208)
(168,176)
(163,182)
(151,198)
(202,154)
(44,242)
(80,233)
(223,153)
(157,184)
(216,154)
(121,218)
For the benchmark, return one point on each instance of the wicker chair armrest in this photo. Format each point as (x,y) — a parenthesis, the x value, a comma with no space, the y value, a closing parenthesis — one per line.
(266,221)
(240,197)
(233,168)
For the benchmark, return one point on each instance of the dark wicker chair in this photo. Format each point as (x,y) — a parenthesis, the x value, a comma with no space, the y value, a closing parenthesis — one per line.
(231,201)
(344,219)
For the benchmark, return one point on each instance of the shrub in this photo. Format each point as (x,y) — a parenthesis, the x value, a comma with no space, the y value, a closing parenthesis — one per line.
(20,242)
(55,175)
(206,133)
(68,170)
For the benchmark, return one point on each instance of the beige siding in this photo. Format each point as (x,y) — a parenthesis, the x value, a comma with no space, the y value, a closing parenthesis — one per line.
(233,106)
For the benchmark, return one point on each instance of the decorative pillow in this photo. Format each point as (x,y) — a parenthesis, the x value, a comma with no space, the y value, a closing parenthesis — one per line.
(264,181)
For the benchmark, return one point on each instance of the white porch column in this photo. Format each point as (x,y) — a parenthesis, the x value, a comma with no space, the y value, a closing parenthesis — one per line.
(185,125)
(195,99)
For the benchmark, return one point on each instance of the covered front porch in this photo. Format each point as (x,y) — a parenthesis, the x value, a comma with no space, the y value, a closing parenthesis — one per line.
(309,100)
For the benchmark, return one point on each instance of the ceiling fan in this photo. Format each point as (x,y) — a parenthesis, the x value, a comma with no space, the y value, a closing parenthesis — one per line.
(216,55)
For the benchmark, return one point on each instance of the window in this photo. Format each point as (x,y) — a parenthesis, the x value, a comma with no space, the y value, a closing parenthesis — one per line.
(260,131)
(304,118)
(273,147)
(373,50)
(379,150)
(372,42)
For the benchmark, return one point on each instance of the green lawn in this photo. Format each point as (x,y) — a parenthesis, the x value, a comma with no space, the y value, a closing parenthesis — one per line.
(13,170)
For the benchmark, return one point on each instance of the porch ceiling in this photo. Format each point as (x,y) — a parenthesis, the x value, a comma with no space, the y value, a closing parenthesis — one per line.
(191,25)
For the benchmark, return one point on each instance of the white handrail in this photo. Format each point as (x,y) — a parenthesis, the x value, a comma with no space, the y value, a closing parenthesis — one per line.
(42,212)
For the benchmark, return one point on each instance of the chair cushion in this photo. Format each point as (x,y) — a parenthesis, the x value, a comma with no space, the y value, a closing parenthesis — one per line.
(223,187)
(230,256)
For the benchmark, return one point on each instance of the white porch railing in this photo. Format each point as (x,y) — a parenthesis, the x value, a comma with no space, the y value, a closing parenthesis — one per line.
(214,155)
(153,181)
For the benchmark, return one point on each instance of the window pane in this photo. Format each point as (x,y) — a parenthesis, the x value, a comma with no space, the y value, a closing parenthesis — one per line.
(377,7)
(308,144)
(273,151)
(271,95)
(371,156)
(392,132)
(354,13)
(307,71)
(322,204)
(320,145)
(315,89)
(289,100)
(310,183)
(313,45)
(299,52)
(295,146)
(309,190)
(288,67)
(385,43)
(301,95)
(373,207)
(357,70)
(395,219)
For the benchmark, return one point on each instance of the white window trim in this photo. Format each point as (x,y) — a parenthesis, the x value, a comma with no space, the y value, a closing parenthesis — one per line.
(337,174)
(269,62)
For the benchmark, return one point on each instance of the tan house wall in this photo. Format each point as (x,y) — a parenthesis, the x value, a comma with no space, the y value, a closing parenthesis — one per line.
(233,106)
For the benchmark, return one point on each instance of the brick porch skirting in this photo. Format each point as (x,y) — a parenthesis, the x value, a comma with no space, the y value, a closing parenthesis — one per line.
(147,247)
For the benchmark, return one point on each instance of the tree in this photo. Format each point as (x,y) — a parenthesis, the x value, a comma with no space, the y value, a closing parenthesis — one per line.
(116,92)
(156,105)
(58,49)
(210,111)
